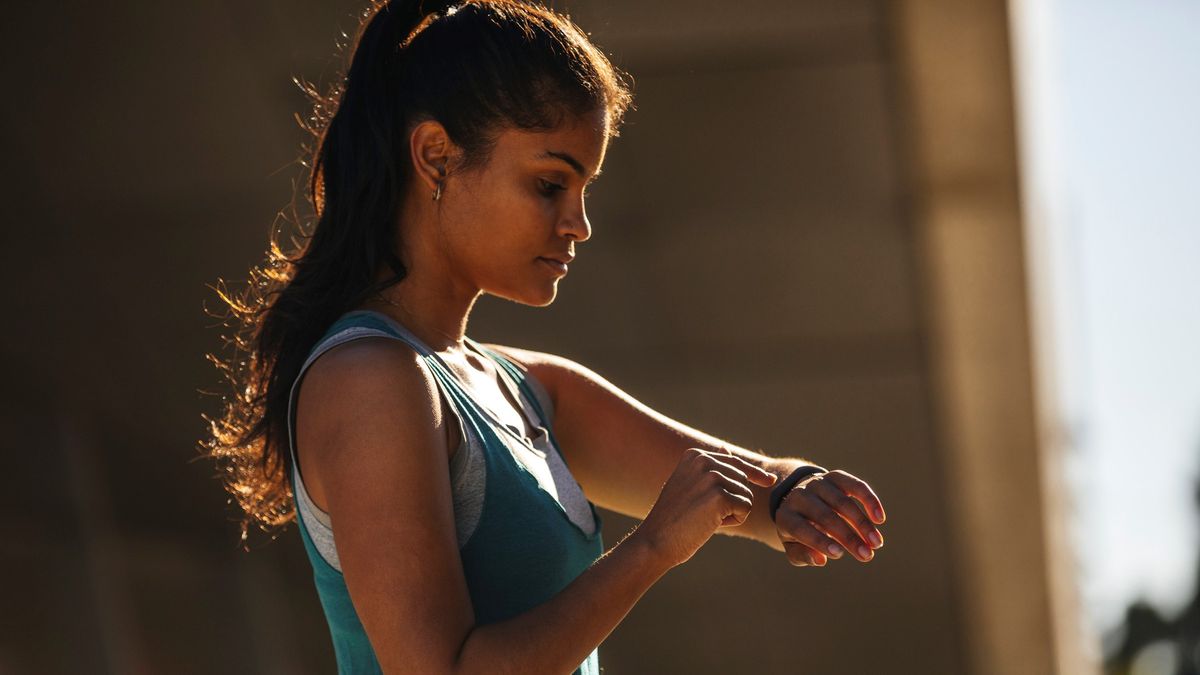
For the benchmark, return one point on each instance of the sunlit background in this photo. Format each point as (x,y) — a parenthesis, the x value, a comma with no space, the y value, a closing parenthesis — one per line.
(1112,173)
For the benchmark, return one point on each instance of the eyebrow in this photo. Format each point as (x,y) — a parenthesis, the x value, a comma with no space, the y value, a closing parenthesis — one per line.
(566,157)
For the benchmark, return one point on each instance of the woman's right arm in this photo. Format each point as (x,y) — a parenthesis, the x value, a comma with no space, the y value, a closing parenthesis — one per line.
(376,432)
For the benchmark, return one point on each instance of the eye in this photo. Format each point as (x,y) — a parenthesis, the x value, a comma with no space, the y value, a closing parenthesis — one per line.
(549,188)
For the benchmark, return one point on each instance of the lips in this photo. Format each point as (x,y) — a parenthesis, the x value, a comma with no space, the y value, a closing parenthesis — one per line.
(564,259)
(555,264)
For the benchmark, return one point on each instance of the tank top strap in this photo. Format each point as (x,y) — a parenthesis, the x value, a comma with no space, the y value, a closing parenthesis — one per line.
(517,375)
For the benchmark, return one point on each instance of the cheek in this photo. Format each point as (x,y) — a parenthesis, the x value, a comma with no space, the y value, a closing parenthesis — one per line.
(497,197)
(500,224)
(518,217)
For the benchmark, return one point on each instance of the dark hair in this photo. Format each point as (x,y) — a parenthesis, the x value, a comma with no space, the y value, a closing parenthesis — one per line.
(477,67)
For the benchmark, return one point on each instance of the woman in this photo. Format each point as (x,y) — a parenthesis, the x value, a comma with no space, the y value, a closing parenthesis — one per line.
(430,472)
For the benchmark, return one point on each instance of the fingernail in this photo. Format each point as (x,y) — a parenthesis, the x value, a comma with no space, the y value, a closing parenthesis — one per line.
(879,515)
(876,540)
(864,551)
(836,550)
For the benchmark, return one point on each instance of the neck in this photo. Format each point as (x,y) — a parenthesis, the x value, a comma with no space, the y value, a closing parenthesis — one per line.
(435,316)
(433,301)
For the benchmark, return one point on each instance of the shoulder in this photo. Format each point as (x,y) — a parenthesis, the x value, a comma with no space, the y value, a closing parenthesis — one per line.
(365,382)
(362,398)
(367,373)
(368,364)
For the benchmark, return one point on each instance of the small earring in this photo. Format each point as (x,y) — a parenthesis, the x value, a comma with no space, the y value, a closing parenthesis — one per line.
(437,193)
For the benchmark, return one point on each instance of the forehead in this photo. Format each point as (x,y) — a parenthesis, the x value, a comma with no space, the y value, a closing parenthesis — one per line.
(584,139)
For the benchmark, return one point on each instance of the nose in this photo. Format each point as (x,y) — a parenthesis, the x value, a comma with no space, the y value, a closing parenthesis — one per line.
(575,225)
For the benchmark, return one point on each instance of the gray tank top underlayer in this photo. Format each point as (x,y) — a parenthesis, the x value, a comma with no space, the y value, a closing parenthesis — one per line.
(468,474)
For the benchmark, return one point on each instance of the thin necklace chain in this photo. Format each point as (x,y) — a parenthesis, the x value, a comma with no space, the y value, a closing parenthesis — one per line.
(407,313)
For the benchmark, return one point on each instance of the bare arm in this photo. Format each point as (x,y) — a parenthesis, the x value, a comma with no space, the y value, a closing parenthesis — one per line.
(621,451)
(373,421)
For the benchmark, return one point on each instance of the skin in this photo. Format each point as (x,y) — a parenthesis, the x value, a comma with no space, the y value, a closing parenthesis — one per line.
(370,417)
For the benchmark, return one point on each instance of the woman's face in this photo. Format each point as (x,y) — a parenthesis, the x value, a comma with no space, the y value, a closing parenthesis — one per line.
(505,222)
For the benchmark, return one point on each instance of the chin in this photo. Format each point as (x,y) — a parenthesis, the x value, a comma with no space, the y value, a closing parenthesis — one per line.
(544,297)
(547,299)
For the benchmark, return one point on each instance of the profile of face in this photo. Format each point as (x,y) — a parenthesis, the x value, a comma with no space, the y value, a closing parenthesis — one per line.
(507,226)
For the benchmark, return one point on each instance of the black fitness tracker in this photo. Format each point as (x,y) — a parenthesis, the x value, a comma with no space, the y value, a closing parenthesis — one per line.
(785,486)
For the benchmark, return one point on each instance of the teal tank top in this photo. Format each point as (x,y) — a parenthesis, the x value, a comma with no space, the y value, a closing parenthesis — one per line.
(524,550)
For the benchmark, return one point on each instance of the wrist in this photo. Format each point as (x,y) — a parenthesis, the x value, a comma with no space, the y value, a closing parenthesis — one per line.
(642,546)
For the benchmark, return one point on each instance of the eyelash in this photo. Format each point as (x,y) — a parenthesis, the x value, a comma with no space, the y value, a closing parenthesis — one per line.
(549,189)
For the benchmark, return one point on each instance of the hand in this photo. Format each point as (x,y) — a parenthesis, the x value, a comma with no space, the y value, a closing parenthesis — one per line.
(707,490)
(826,515)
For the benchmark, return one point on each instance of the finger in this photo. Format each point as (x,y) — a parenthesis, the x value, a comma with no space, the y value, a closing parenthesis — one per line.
(732,472)
(725,469)
(731,484)
(802,556)
(812,507)
(796,529)
(849,510)
(858,488)
(754,473)
(738,508)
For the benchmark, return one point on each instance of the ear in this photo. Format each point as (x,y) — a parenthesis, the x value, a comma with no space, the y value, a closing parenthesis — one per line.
(431,152)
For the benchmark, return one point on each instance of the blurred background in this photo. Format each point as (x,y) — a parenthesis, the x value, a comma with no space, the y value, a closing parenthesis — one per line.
(949,246)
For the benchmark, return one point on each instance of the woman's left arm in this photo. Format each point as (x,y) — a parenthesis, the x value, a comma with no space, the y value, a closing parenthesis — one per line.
(622,452)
